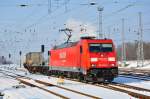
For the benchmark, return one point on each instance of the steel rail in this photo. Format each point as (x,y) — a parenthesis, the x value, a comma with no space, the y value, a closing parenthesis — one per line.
(134,94)
(108,86)
(88,95)
(17,77)
(34,85)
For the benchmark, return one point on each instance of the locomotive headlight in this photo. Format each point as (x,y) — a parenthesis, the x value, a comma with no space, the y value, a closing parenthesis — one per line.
(93,65)
(111,58)
(112,64)
(94,59)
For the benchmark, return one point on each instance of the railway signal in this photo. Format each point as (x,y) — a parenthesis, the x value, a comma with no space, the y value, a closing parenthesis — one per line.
(9,58)
(9,55)
(42,48)
(20,53)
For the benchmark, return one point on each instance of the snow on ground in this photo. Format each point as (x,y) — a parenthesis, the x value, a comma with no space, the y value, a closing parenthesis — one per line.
(8,88)
(133,64)
(67,93)
(85,88)
(134,82)
(6,83)
(34,93)
(28,93)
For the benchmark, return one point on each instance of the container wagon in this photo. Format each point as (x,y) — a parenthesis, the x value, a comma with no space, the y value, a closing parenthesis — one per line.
(35,62)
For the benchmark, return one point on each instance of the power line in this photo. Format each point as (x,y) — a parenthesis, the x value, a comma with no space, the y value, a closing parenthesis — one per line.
(49,6)
(43,17)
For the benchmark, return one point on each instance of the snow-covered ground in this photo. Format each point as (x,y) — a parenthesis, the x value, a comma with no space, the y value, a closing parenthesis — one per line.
(133,64)
(86,88)
(7,86)
(135,82)
(9,92)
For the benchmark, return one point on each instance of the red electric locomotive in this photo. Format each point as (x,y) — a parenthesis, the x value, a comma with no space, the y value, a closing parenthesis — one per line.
(88,59)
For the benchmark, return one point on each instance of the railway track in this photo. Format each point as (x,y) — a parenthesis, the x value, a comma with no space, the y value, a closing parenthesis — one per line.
(12,74)
(131,90)
(60,88)
(42,85)
(78,92)
(18,77)
(135,74)
(144,78)
(121,88)
(134,71)
(128,89)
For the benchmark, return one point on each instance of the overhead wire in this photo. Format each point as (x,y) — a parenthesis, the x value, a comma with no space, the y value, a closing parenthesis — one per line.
(113,13)
(43,17)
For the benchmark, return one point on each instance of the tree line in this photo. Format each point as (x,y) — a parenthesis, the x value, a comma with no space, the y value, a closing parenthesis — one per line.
(131,50)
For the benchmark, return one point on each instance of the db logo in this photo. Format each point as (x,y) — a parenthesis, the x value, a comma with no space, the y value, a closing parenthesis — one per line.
(62,55)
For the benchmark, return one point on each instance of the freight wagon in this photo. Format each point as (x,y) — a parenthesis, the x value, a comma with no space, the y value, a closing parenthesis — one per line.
(35,62)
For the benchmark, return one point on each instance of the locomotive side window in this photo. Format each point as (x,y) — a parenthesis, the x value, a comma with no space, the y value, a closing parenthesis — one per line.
(100,47)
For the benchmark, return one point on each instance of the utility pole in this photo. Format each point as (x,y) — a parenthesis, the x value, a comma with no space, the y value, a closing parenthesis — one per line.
(66,8)
(100,34)
(49,6)
(140,52)
(123,58)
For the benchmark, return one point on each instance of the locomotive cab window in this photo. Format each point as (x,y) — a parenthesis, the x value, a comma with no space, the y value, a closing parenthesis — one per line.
(100,47)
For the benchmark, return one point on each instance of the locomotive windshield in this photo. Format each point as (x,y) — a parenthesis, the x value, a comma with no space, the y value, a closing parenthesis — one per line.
(100,47)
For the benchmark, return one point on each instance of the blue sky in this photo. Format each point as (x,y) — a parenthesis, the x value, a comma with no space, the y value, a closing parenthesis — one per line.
(26,28)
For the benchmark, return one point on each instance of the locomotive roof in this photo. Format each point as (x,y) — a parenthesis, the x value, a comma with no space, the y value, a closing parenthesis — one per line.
(70,44)
(64,45)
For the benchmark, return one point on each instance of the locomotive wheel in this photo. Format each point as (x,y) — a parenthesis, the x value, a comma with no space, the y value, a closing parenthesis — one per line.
(80,77)
(110,79)
(85,79)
